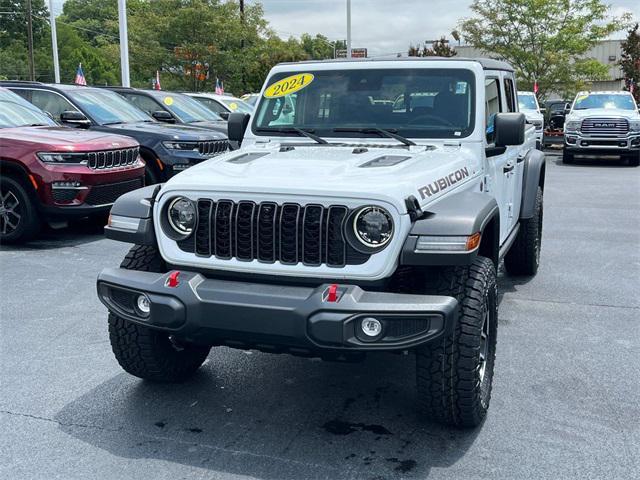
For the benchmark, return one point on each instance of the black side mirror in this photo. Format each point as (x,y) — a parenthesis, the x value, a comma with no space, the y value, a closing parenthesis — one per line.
(163,116)
(224,115)
(75,118)
(237,125)
(509,129)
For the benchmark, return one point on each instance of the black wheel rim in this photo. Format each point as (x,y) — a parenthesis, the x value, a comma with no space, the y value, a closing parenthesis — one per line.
(10,212)
(484,344)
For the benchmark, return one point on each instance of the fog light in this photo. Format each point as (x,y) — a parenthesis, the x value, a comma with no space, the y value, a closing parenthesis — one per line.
(143,304)
(371,327)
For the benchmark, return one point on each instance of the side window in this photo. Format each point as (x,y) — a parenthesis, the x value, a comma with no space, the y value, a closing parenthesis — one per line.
(26,94)
(509,93)
(211,104)
(492,107)
(51,102)
(143,102)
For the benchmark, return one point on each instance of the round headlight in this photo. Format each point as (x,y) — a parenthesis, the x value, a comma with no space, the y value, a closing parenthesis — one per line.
(373,226)
(182,215)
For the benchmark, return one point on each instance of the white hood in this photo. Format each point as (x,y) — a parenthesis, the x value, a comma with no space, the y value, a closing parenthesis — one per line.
(333,172)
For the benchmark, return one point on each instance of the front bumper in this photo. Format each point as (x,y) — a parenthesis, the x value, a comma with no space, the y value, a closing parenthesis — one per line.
(297,320)
(578,143)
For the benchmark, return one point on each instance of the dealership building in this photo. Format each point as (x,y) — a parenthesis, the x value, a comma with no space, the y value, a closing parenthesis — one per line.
(607,52)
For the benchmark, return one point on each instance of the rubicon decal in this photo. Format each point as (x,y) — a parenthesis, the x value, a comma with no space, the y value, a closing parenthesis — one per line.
(442,183)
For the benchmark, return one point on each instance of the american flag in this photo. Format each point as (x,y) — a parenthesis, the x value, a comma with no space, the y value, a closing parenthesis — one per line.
(80,80)
(219,87)
(156,83)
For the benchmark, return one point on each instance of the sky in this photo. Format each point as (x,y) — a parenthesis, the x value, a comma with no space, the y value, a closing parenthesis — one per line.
(384,27)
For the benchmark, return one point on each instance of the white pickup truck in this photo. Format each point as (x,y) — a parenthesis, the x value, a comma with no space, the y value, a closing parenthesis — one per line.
(603,123)
(350,222)
(528,104)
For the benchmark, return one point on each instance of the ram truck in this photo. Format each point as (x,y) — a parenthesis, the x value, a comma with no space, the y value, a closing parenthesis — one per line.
(348,226)
(603,123)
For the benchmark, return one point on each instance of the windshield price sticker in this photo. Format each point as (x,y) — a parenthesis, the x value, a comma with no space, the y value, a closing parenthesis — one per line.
(233,106)
(168,100)
(288,85)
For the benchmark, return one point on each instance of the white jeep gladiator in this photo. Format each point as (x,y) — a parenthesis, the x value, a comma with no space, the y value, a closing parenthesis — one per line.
(348,223)
(603,123)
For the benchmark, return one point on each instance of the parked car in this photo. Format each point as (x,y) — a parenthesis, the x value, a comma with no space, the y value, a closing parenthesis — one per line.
(603,123)
(172,107)
(51,173)
(223,105)
(167,149)
(555,111)
(250,98)
(528,104)
(354,229)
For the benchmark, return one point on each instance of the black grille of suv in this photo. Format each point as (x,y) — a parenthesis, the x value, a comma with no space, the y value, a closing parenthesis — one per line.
(213,147)
(605,126)
(109,192)
(268,232)
(112,158)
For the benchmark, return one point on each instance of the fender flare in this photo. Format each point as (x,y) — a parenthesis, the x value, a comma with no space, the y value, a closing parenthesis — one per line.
(461,214)
(534,173)
(131,218)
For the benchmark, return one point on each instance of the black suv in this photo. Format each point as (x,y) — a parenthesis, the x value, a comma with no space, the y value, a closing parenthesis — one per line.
(173,107)
(166,149)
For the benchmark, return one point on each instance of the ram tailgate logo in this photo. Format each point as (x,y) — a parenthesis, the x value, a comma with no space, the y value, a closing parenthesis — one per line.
(442,183)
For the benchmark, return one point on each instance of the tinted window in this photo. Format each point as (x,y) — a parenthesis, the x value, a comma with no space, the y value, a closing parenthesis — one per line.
(492,107)
(107,107)
(509,94)
(143,102)
(375,98)
(17,112)
(51,102)
(211,104)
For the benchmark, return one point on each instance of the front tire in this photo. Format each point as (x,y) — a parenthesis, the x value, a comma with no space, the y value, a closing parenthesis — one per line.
(523,257)
(19,219)
(567,157)
(145,352)
(633,159)
(454,376)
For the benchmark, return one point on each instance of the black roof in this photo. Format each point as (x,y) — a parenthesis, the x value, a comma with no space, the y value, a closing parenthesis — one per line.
(487,63)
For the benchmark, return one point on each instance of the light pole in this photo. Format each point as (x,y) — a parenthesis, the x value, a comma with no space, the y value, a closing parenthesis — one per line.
(124,42)
(54,43)
(348,28)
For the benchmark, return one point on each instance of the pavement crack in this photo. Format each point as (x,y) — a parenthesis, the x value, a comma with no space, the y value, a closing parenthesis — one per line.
(563,302)
(62,424)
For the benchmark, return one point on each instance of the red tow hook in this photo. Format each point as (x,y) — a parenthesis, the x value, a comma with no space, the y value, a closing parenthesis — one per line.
(332,293)
(172,279)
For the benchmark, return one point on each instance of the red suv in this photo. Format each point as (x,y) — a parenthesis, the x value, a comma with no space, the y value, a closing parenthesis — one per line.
(48,172)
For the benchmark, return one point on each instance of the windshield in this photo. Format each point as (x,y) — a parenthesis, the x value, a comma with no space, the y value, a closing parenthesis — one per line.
(106,107)
(17,112)
(419,103)
(237,105)
(186,108)
(527,102)
(600,100)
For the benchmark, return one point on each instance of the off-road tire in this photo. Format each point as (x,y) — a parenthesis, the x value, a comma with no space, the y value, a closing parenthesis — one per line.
(567,157)
(451,388)
(145,352)
(523,258)
(633,159)
(28,225)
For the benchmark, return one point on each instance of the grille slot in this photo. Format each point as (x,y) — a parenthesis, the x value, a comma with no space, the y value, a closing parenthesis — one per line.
(108,159)
(268,232)
(605,126)
(109,193)
(214,147)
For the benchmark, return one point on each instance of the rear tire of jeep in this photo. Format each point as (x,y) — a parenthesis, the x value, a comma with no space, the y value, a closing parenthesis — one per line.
(454,376)
(19,219)
(523,257)
(145,352)
(567,157)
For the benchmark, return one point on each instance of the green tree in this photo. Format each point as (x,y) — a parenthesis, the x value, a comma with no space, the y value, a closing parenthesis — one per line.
(545,40)
(439,48)
(630,61)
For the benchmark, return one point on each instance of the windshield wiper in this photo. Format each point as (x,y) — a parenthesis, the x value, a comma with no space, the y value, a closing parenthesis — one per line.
(113,123)
(304,133)
(380,131)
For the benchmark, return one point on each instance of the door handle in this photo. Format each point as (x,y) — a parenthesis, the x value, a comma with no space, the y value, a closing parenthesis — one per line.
(508,167)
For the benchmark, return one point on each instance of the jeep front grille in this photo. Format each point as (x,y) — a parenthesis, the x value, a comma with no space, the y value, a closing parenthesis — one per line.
(605,126)
(268,232)
(213,147)
(112,158)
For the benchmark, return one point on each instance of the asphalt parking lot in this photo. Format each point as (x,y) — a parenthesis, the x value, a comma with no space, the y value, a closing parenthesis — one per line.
(566,390)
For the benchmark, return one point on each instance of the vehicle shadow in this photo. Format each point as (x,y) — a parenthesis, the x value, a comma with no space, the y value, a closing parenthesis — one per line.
(272,417)
(613,162)
(76,233)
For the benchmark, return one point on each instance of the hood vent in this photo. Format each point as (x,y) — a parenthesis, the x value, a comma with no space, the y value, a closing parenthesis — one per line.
(247,157)
(385,161)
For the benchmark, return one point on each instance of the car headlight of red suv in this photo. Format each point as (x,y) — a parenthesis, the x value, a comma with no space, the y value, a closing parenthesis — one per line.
(63,157)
